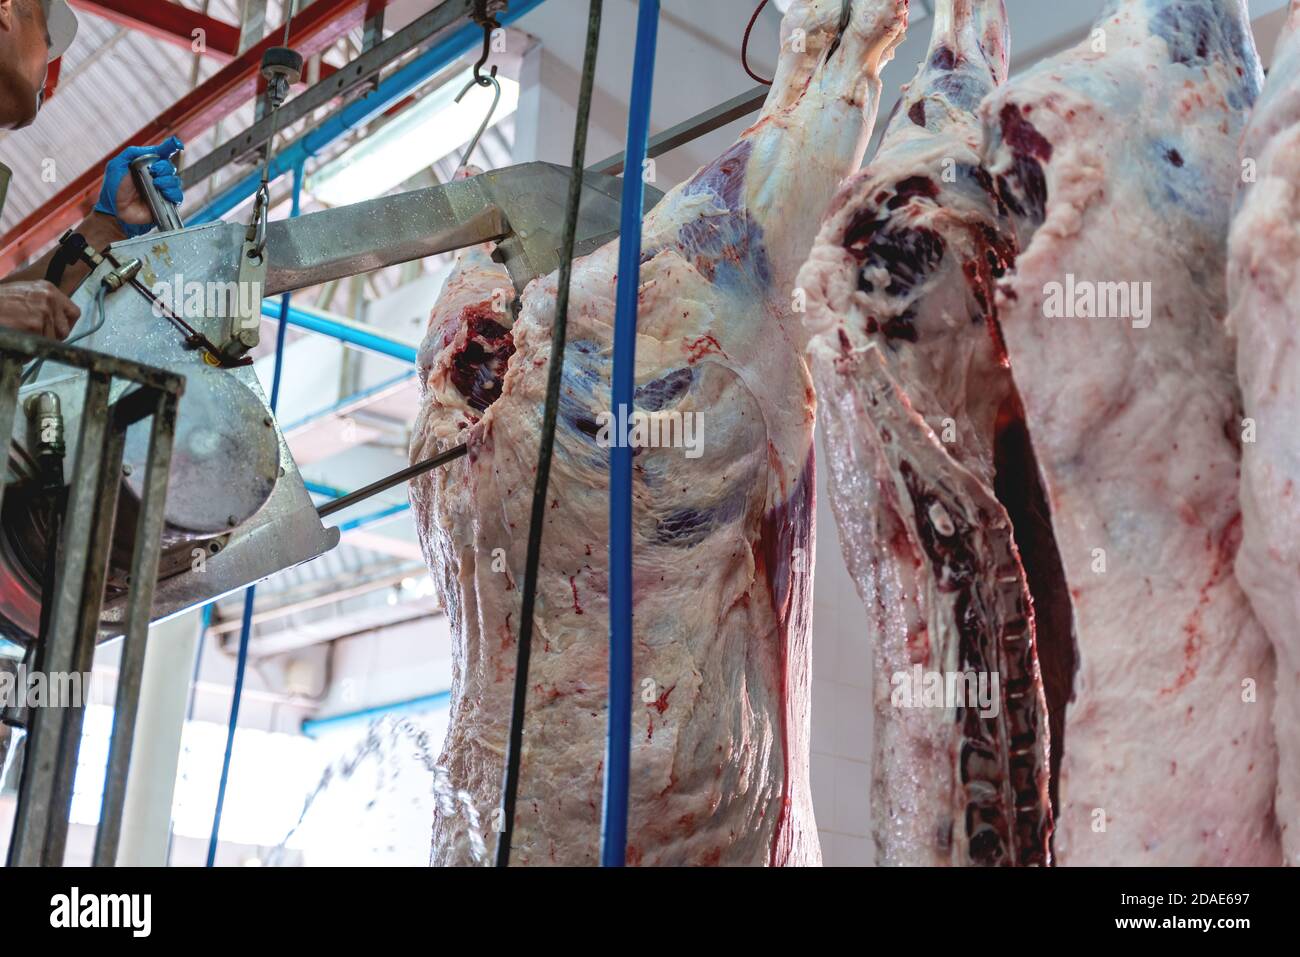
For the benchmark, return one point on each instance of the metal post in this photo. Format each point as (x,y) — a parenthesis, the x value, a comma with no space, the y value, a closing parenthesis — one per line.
(144,571)
(11,374)
(73,586)
(45,792)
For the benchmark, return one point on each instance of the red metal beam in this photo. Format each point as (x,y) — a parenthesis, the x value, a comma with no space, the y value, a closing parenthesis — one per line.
(317,28)
(51,79)
(170,22)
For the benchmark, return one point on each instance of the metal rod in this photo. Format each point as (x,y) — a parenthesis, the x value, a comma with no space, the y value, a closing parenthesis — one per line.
(144,573)
(11,373)
(711,119)
(392,481)
(45,792)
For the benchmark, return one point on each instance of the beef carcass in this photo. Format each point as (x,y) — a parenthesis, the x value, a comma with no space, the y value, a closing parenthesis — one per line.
(1117,160)
(1264,292)
(723,540)
(911,382)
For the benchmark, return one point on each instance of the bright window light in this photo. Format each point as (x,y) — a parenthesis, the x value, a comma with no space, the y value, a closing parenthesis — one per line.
(380,813)
(434,127)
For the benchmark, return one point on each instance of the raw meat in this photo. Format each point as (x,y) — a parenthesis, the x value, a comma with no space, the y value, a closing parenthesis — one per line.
(911,380)
(1117,162)
(723,540)
(1264,291)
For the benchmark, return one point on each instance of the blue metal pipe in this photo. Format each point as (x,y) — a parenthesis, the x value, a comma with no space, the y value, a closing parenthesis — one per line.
(374,518)
(348,401)
(328,491)
(618,752)
(428,702)
(345,333)
(392,89)
(246,625)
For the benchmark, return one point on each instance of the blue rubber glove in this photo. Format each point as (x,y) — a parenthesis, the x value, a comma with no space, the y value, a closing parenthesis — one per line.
(120,199)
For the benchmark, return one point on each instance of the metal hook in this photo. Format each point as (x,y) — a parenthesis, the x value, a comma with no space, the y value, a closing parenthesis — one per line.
(473,144)
(489,25)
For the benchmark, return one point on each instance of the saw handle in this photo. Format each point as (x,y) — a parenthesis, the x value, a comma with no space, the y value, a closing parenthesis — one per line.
(165,213)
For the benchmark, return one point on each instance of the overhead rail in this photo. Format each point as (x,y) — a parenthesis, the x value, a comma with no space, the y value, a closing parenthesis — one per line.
(364,68)
(714,118)
(313,31)
(391,90)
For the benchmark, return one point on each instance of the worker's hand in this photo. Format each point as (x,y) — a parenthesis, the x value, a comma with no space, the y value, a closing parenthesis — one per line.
(37,307)
(120,199)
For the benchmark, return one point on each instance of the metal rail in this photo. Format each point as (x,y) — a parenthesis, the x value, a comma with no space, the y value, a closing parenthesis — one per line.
(383,485)
(711,119)
(353,76)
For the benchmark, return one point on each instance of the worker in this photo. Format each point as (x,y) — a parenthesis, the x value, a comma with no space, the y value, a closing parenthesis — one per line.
(33,34)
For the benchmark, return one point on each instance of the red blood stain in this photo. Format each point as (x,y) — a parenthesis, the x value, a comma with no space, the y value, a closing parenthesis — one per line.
(1225,554)
(574,585)
(702,347)
(660,704)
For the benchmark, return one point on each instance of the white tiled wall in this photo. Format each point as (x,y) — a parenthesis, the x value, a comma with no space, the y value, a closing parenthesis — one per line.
(841,705)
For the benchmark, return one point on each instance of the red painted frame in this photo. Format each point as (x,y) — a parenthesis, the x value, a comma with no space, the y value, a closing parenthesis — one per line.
(316,29)
(170,22)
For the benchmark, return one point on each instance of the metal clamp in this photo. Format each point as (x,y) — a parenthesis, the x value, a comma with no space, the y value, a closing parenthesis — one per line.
(245,329)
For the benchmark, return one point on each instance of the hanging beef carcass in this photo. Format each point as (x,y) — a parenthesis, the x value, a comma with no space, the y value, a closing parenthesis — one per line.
(912,383)
(723,526)
(1117,160)
(1264,291)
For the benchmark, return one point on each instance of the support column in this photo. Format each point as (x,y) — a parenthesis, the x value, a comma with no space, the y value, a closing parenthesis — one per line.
(155,752)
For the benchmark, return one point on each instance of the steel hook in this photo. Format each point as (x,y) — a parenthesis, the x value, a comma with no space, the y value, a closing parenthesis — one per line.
(496,99)
(489,25)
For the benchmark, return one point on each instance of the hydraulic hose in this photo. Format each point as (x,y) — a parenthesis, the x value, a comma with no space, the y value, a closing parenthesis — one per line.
(559,336)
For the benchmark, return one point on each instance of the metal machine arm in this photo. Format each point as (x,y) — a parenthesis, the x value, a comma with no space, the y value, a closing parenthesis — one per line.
(519,207)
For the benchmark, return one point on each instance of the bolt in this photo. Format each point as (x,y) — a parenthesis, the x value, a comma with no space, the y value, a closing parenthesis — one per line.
(127,469)
(268,422)
(232,521)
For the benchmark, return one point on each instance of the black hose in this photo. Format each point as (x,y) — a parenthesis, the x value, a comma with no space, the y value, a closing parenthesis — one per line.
(541,484)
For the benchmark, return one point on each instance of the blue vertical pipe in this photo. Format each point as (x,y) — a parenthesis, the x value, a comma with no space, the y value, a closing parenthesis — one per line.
(246,626)
(613,851)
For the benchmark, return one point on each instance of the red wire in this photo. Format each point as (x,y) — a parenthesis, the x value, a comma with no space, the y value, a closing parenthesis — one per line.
(744,47)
